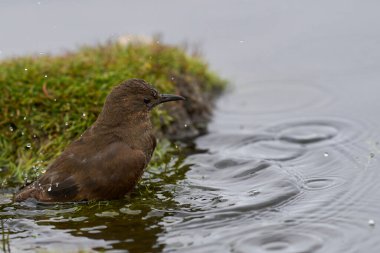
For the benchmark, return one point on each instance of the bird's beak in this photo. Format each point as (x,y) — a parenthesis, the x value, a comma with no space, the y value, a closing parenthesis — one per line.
(168,97)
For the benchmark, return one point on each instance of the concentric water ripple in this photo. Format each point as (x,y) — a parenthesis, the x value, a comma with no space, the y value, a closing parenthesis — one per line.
(256,236)
(237,187)
(259,147)
(317,131)
(292,169)
(290,242)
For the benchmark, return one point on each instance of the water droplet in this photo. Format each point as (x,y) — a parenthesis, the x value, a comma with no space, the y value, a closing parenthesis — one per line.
(371,222)
(55,100)
(28,145)
(241,41)
(22,133)
(24,118)
(372,155)
(11,129)
(45,76)
(185,125)
(41,53)
(34,136)
(56,184)
(66,123)
(325,154)
(158,42)
(26,69)
(49,189)
(172,78)
(84,115)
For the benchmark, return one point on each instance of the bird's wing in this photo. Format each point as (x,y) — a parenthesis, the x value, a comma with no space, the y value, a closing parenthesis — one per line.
(107,174)
(114,172)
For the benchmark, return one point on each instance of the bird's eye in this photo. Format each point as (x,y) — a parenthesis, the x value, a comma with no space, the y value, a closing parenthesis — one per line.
(146,100)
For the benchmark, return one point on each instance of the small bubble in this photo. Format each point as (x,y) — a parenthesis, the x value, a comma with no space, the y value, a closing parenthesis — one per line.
(84,115)
(11,129)
(325,154)
(28,145)
(241,41)
(26,69)
(22,133)
(66,123)
(185,125)
(24,118)
(45,76)
(372,155)
(55,100)
(41,53)
(49,189)
(172,78)
(34,136)
(371,222)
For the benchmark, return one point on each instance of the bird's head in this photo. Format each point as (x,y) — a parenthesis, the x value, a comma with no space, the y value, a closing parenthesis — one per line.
(137,96)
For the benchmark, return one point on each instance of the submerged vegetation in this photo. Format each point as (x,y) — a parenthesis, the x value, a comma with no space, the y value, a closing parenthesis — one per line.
(47,101)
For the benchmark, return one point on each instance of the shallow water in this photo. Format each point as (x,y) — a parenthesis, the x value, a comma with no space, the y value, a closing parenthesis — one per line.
(290,163)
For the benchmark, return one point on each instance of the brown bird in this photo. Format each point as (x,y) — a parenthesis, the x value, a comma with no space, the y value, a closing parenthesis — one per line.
(110,156)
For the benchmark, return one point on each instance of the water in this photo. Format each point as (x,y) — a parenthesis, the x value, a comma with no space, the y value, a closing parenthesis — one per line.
(290,163)
(296,185)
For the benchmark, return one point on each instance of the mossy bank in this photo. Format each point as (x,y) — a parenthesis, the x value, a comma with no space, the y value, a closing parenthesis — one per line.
(47,101)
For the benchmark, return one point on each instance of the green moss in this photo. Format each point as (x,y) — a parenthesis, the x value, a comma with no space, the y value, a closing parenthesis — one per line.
(48,101)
